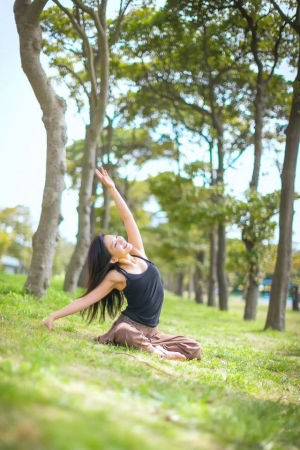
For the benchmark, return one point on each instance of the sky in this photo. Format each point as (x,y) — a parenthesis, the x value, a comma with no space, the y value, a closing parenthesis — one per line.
(23,142)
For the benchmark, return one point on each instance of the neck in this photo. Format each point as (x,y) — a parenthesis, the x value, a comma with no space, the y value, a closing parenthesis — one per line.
(128,260)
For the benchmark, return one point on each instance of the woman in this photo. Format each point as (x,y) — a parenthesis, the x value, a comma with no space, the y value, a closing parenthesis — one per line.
(117,266)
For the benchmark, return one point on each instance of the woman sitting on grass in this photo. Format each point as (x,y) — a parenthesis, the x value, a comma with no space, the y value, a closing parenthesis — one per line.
(116,267)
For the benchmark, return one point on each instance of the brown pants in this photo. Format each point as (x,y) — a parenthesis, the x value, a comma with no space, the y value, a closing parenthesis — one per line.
(125,331)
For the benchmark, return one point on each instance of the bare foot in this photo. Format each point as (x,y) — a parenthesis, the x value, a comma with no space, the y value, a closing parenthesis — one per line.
(169,355)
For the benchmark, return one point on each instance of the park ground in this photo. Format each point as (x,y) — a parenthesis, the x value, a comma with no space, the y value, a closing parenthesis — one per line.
(61,391)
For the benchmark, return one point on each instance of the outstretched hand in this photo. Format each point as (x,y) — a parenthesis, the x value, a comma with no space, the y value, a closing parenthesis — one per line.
(104,178)
(47,323)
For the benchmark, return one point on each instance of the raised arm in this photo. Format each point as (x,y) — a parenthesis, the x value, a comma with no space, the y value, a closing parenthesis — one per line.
(133,233)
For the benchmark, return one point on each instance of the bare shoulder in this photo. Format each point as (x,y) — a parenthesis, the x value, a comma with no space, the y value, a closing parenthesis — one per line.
(114,276)
(117,279)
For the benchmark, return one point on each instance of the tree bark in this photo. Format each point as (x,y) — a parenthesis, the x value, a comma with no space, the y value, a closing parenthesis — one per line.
(296,298)
(252,292)
(198,278)
(222,279)
(179,279)
(221,255)
(279,288)
(44,241)
(211,300)
(83,277)
(98,102)
(259,104)
(84,210)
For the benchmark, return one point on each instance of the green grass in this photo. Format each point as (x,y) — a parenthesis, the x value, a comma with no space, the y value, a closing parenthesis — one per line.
(61,391)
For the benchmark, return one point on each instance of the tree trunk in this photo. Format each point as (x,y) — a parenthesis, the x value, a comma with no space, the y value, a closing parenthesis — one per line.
(191,286)
(296,297)
(179,284)
(221,255)
(198,278)
(259,104)
(251,294)
(211,301)
(279,288)
(44,242)
(84,210)
(83,277)
(222,279)
(98,102)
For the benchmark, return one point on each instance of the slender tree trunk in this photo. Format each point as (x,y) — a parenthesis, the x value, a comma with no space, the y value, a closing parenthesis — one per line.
(279,288)
(98,102)
(222,279)
(296,298)
(213,248)
(44,242)
(198,278)
(217,121)
(83,277)
(191,286)
(221,275)
(179,284)
(251,295)
(212,283)
(108,166)
(252,292)
(259,105)
(84,210)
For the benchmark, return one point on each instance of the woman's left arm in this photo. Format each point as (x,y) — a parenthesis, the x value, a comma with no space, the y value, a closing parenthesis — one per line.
(132,230)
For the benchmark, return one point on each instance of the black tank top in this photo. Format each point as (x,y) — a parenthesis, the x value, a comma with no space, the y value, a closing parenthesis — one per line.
(144,293)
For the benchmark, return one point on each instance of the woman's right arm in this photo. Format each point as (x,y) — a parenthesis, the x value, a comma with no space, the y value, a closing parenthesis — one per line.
(112,281)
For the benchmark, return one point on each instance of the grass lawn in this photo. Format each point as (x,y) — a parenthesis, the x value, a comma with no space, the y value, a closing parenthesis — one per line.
(61,391)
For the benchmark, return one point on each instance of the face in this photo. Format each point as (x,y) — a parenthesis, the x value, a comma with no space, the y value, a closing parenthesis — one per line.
(117,246)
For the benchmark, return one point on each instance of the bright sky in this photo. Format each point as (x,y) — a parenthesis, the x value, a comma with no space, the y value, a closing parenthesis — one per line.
(23,141)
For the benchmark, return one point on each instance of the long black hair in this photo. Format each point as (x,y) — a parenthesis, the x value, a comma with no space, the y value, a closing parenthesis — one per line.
(98,267)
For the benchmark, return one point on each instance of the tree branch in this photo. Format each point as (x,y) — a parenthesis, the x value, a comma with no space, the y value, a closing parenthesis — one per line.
(88,47)
(93,15)
(76,76)
(231,163)
(32,10)
(252,26)
(293,24)
(119,21)
(175,97)
(276,51)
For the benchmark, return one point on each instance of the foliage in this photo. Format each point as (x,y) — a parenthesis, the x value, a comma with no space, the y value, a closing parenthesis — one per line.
(238,261)
(16,233)
(295,272)
(62,256)
(136,194)
(129,150)
(62,390)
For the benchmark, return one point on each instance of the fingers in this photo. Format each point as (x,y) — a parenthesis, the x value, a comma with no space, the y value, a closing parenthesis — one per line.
(46,324)
(101,173)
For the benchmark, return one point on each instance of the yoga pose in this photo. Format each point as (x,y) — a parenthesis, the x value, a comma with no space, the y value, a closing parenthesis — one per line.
(118,268)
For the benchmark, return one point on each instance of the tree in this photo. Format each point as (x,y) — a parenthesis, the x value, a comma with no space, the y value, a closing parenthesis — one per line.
(279,289)
(80,49)
(27,16)
(255,218)
(15,224)
(62,257)
(265,35)
(184,70)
